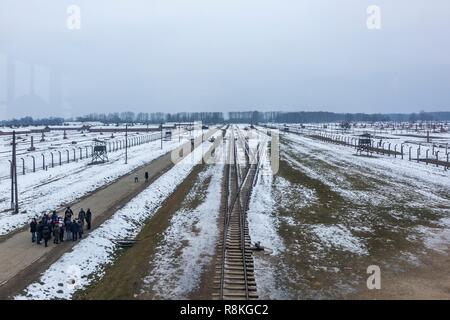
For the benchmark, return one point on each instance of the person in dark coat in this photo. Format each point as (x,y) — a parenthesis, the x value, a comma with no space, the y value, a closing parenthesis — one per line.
(46,233)
(54,219)
(45,218)
(67,223)
(56,233)
(33,229)
(146,176)
(88,218)
(68,213)
(39,231)
(74,230)
(81,216)
(61,230)
(80,229)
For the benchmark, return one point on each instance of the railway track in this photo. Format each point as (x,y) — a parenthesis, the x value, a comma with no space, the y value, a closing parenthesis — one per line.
(234,279)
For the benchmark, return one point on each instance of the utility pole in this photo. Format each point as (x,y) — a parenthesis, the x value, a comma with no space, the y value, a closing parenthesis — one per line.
(161,134)
(12,183)
(126,144)
(179,128)
(14,191)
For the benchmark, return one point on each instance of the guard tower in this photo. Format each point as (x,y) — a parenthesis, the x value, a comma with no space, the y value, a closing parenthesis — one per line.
(365,143)
(168,136)
(100,154)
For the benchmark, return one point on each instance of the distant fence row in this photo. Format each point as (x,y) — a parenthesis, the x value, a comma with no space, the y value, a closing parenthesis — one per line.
(428,155)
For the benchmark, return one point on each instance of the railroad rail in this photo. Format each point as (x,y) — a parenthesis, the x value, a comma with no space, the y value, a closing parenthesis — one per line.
(234,277)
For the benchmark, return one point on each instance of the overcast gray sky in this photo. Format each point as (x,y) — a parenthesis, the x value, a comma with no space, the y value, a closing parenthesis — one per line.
(223,55)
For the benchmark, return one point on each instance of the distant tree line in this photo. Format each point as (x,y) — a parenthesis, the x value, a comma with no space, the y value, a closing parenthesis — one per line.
(232,117)
(320,116)
(29,121)
(152,118)
(302,117)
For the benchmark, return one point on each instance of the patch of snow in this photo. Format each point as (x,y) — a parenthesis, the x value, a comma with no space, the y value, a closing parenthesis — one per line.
(438,238)
(338,236)
(263,227)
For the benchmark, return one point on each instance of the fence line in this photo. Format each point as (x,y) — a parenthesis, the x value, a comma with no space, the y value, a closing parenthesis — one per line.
(384,148)
(41,162)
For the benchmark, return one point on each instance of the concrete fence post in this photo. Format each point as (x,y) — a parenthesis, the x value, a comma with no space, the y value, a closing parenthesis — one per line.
(437,158)
(34,163)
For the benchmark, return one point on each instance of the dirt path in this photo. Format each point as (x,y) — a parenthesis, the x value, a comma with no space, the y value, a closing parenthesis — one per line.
(22,262)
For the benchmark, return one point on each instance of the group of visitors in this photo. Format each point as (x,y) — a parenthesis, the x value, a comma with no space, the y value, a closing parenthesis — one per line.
(60,228)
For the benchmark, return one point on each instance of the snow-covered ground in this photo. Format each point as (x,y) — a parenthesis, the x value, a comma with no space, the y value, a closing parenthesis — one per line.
(47,190)
(76,269)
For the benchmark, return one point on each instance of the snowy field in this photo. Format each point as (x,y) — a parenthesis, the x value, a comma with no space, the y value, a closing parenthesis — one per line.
(43,191)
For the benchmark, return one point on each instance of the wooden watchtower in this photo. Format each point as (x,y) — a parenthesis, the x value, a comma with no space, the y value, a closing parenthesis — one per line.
(100,153)
(365,143)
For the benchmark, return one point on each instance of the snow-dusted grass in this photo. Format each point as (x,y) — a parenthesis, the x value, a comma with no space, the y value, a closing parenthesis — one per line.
(263,226)
(174,274)
(91,254)
(386,174)
(338,236)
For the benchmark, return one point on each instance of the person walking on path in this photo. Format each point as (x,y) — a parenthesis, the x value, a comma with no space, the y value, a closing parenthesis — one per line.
(136,178)
(56,233)
(88,218)
(33,229)
(54,217)
(146,176)
(39,231)
(74,230)
(61,230)
(81,216)
(45,219)
(80,229)
(68,213)
(67,223)
(46,233)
